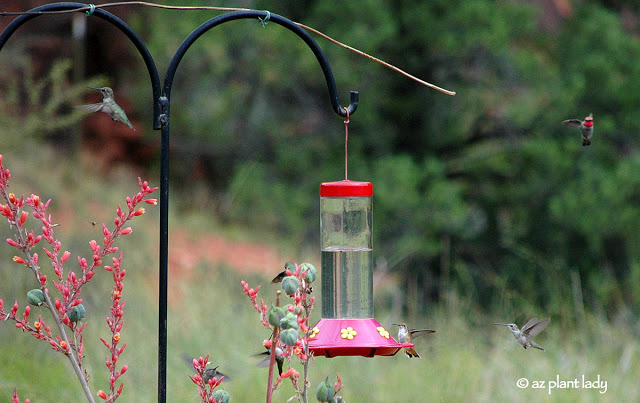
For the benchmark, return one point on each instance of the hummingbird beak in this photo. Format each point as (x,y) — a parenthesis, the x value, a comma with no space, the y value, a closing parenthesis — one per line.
(501,324)
(94,88)
(395,324)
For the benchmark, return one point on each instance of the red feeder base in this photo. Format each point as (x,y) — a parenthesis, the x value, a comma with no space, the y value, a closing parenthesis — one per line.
(342,337)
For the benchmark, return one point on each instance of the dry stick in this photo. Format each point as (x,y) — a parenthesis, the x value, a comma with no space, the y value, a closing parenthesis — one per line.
(308,28)
(375,59)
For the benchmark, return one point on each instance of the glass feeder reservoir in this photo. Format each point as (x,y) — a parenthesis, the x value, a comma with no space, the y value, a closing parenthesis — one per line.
(347,326)
(347,265)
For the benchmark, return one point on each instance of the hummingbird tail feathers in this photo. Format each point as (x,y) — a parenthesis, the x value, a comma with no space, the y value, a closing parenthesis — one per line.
(411,353)
(534,345)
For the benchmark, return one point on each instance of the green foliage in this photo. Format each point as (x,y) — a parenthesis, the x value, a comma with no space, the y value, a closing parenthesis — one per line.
(482,191)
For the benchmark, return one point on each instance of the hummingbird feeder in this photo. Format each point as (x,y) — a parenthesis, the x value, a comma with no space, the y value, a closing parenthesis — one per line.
(347,327)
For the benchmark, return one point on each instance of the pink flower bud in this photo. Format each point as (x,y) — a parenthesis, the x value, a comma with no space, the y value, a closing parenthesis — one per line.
(102,395)
(126,231)
(18,259)
(151,201)
(12,242)
(23,217)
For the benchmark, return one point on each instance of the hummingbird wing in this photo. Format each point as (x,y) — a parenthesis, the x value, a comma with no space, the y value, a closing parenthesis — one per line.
(419,332)
(532,329)
(279,277)
(529,324)
(99,107)
(266,360)
(572,123)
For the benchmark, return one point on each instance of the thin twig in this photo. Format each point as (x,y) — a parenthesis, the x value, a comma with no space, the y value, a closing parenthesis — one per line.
(308,28)
(375,59)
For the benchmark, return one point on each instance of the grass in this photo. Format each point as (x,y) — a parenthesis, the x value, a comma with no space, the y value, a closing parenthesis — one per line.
(468,359)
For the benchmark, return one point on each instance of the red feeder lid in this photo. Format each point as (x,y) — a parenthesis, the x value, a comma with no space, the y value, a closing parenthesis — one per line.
(346,188)
(342,337)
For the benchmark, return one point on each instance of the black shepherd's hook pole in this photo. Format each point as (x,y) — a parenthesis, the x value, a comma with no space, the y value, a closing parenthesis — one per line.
(161,109)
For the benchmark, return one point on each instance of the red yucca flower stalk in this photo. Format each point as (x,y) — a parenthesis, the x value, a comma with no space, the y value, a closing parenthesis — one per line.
(66,309)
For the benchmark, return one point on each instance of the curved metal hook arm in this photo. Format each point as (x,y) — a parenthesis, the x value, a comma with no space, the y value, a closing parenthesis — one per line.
(275,18)
(105,15)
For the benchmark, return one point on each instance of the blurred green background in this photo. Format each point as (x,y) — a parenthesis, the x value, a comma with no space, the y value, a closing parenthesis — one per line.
(486,208)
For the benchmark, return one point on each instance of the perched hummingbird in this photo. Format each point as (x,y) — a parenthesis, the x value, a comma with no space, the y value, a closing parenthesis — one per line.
(585,126)
(108,106)
(265,361)
(287,266)
(528,332)
(405,335)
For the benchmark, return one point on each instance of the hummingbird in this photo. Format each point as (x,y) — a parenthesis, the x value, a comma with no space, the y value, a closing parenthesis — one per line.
(213,373)
(265,361)
(585,126)
(108,106)
(209,372)
(404,336)
(528,331)
(287,266)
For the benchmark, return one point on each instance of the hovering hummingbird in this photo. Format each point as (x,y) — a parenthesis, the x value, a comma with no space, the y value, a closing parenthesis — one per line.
(528,331)
(405,335)
(108,106)
(213,373)
(287,266)
(265,361)
(209,372)
(585,126)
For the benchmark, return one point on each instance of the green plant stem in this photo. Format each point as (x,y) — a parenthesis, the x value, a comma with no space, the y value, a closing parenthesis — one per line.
(272,355)
(272,361)
(305,372)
